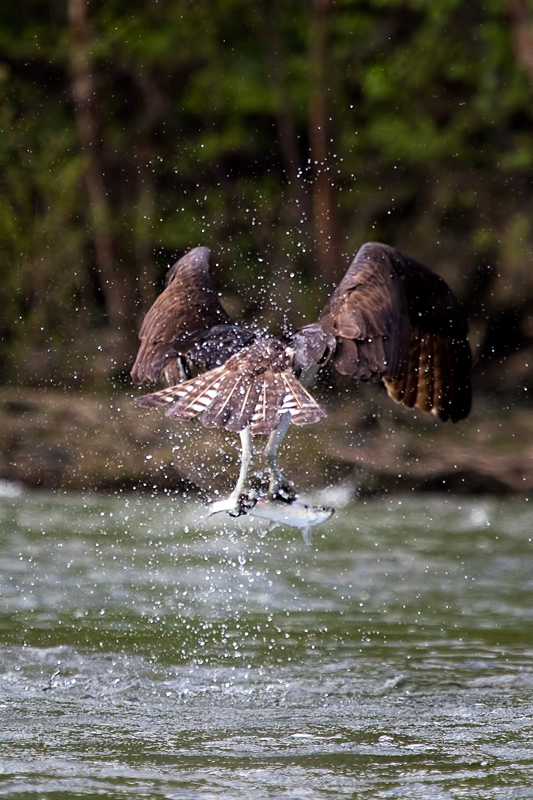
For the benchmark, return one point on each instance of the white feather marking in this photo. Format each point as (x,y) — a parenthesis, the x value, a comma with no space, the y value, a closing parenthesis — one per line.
(245,398)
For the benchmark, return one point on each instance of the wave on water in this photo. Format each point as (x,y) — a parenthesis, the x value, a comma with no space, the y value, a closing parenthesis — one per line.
(10,488)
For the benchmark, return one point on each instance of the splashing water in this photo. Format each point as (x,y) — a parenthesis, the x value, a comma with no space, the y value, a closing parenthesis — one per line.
(144,655)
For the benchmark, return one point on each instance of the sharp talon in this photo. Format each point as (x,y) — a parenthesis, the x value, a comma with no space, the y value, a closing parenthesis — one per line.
(239,509)
(282,490)
(279,488)
(284,493)
(245,503)
(222,505)
(234,506)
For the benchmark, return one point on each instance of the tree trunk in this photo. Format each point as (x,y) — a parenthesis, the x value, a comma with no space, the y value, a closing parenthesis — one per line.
(276,74)
(298,207)
(152,111)
(522,23)
(324,206)
(84,93)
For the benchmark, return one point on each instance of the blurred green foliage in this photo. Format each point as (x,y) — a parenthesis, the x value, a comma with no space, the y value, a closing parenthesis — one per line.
(203,133)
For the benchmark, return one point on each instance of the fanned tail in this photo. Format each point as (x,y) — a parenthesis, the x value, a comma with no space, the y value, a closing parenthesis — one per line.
(232,400)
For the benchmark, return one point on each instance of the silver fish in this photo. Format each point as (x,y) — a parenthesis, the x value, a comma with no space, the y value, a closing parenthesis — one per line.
(297,515)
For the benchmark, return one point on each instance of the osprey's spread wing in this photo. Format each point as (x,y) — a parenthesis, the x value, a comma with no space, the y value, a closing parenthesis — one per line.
(186,326)
(393,318)
(390,317)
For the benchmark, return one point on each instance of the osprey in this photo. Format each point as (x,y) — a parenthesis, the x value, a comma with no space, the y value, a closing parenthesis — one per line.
(390,317)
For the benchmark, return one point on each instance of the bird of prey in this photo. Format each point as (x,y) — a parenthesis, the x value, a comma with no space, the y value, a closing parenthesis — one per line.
(390,317)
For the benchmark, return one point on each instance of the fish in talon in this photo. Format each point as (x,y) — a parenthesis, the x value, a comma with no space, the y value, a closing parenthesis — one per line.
(294,514)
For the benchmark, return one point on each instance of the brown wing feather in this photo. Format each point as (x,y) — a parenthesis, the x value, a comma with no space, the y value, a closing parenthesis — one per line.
(424,395)
(370,307)
(403,388)
(394,318)
(186,307)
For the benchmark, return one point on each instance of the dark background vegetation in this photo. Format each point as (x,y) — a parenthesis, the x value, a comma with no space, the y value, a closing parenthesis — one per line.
(280,133)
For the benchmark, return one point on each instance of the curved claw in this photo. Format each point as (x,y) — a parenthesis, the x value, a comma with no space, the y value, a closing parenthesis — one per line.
(279,488)
(235,506)
(283,491)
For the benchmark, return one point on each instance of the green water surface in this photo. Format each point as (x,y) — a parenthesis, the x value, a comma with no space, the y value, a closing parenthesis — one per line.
(144,653)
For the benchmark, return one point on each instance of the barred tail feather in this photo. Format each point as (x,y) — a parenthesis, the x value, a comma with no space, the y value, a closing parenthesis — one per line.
(234,403)
(266,413)
(156,399)
(195,396)
(185,400)
(304,410)
(232,400)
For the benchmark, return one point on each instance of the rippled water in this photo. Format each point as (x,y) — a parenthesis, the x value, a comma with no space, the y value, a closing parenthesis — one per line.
(144,654)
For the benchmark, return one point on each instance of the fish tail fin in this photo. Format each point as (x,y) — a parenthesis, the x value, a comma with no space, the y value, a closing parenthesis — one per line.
(306,533)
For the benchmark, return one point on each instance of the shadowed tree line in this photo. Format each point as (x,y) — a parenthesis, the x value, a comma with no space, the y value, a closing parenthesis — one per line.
(282,134)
